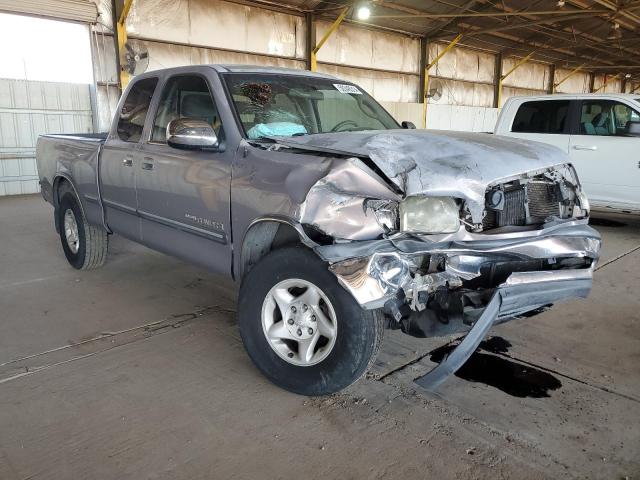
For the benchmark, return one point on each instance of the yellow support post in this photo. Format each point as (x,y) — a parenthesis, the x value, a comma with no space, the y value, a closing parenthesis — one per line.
(122,39)
(325,37)
(635,89)
(426,76)
(502,78)
(606,81)
(573,72)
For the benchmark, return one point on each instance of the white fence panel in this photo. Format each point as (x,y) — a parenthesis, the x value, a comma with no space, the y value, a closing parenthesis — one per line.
(29,109)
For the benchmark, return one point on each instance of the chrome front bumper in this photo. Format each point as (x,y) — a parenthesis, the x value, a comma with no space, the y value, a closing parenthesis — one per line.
(463,256)
(356,266)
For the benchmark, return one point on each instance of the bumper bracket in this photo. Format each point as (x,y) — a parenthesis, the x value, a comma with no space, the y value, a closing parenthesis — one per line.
(520,293)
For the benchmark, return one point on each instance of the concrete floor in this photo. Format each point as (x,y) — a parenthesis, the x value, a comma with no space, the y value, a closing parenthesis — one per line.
(136,371)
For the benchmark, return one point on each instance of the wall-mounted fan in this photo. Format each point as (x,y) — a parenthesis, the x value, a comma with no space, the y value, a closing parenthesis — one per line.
(136,57)
(435,91)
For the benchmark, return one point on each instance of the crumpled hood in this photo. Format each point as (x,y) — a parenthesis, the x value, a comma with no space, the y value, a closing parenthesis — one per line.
(439,163)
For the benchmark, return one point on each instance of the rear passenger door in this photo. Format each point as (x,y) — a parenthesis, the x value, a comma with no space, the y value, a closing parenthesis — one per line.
(183,195)
(544,121)
(607,160)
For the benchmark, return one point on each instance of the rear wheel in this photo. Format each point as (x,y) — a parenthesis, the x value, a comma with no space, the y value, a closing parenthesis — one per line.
(301,328)
(84,245)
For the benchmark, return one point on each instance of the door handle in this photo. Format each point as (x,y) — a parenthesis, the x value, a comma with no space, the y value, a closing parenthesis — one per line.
(127,161)
(147,163)
(592,148)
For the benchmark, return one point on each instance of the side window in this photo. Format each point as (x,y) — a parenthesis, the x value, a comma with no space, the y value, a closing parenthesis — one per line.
(541,117)
(135,108)
(623,114)
(606,117)
(185,96)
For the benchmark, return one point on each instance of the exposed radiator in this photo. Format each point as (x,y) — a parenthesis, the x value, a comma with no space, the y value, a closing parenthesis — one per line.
(514,212)
(542,199)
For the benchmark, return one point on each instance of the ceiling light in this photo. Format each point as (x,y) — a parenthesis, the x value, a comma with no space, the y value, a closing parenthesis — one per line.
(560,3)
(615,33)
(364,12)
(628,75)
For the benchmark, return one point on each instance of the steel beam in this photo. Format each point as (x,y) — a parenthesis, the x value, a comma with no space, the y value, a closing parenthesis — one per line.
(511,70)
(497,74)
(121,30)
(565,78)
(311,38)
(496,14)
(552,76)
(426,76)
(424,50)
(325,37)
(606,81)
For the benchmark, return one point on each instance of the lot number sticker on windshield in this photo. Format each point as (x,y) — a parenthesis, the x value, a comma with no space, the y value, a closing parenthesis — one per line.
(342,88)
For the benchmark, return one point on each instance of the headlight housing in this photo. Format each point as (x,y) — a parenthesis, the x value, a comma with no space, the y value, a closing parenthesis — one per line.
(584,202)
(390,269)
(429,215)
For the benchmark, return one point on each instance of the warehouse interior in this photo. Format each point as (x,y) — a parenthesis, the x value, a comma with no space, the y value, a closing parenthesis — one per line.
(137,370)
(491,52)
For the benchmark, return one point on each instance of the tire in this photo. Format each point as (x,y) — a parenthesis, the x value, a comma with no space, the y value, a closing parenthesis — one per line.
(337,360)
(91,243)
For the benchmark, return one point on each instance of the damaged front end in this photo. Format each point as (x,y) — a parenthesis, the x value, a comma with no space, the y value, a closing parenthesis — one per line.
(431,287)
(455,239)
(533,231)
(517,262)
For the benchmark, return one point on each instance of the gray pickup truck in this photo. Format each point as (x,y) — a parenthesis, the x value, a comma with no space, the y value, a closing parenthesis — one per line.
(335,221)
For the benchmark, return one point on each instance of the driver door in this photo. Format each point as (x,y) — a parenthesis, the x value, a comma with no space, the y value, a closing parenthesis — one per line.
(183,195)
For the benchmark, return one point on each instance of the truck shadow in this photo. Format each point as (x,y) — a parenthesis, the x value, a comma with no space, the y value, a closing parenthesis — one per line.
(488,365)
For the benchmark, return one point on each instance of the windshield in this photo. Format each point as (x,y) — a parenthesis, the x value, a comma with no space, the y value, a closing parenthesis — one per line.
(290,105)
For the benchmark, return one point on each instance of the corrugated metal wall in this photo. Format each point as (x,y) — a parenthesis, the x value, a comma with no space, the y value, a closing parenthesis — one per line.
(466,76)
(386,65)
(613,83)
(576,83)
(29,109)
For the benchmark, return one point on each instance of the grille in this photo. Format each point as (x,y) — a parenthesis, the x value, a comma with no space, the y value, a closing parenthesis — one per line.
(543,201)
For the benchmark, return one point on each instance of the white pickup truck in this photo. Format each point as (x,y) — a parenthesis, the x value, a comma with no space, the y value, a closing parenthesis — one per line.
(600,132)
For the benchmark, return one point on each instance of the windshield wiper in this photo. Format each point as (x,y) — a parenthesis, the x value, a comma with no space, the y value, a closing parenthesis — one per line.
(355,129)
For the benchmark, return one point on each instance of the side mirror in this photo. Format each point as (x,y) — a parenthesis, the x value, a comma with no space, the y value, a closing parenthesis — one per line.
(191,134)
(633,129)
(408,125)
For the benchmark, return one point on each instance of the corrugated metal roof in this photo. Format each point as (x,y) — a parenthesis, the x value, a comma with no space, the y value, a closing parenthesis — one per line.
(601,35)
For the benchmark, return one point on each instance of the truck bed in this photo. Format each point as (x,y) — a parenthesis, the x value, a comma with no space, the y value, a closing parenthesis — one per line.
(74,156)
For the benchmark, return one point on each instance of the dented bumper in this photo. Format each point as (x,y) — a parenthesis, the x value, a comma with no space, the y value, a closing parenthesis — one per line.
(539,267)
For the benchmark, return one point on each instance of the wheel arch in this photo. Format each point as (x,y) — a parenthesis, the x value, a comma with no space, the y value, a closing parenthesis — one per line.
(267,233)
(62,183)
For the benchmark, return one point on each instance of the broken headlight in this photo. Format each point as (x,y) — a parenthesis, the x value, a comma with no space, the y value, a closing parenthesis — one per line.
(429,215)
(390,269)
(386,213)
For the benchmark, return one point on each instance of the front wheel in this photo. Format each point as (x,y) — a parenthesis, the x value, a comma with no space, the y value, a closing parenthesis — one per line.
(301,328)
